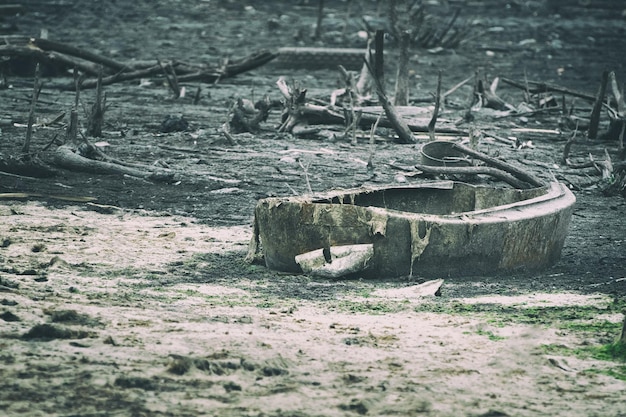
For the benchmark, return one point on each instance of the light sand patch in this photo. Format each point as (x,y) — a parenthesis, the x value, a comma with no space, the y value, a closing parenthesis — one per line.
(185,346)
(542,300)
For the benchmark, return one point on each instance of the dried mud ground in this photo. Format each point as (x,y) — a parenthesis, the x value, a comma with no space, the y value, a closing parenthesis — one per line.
(142,304)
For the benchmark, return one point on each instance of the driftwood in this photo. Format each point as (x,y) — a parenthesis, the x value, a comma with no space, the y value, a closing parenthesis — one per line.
(592,132)
(313,114)
(489,98)
(114,71)
(535,87)
(68,157)
(187,74)
(32,48)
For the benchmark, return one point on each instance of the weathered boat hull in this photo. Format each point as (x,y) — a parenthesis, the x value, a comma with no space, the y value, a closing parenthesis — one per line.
(432,230)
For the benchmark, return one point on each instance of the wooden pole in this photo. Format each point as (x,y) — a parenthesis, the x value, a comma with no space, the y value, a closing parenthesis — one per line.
(31,112)
(592,133)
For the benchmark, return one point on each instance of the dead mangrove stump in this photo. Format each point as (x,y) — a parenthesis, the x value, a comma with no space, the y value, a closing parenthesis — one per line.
(99,107)
(295,98)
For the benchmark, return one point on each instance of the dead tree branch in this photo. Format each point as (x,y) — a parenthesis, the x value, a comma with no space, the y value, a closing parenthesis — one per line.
(535,87)
(96,117)
(31,112)
(400,126)
(433,120)
(592,132)
(47,51)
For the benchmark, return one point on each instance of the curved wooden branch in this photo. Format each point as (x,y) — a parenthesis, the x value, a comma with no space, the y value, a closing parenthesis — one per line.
(399,124)
(504,166)
(494,172)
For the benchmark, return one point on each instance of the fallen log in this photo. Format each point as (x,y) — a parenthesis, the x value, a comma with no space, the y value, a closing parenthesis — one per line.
(48,45)
(61,52)
(313,114)
(116,71)
(46,57)
(68,158)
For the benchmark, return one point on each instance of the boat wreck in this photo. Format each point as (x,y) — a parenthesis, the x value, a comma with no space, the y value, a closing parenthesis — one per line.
(435,229)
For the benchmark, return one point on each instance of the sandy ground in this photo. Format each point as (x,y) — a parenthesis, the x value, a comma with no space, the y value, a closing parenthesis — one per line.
(95,334)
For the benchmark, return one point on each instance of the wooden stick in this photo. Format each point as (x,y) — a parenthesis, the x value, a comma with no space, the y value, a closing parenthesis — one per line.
(400,126)
(48,45)
(172,80)
(438,38)
(208,75)
(457,86)
(568,146)
(618,95)
(72,128)
(469,116)
(379,72)
(48,57)
(539,87)
(31,112)
(592,132)
(433,120)
(96,117)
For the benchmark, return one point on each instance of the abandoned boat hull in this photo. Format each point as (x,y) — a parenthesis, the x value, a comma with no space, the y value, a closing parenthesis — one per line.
(431,230)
